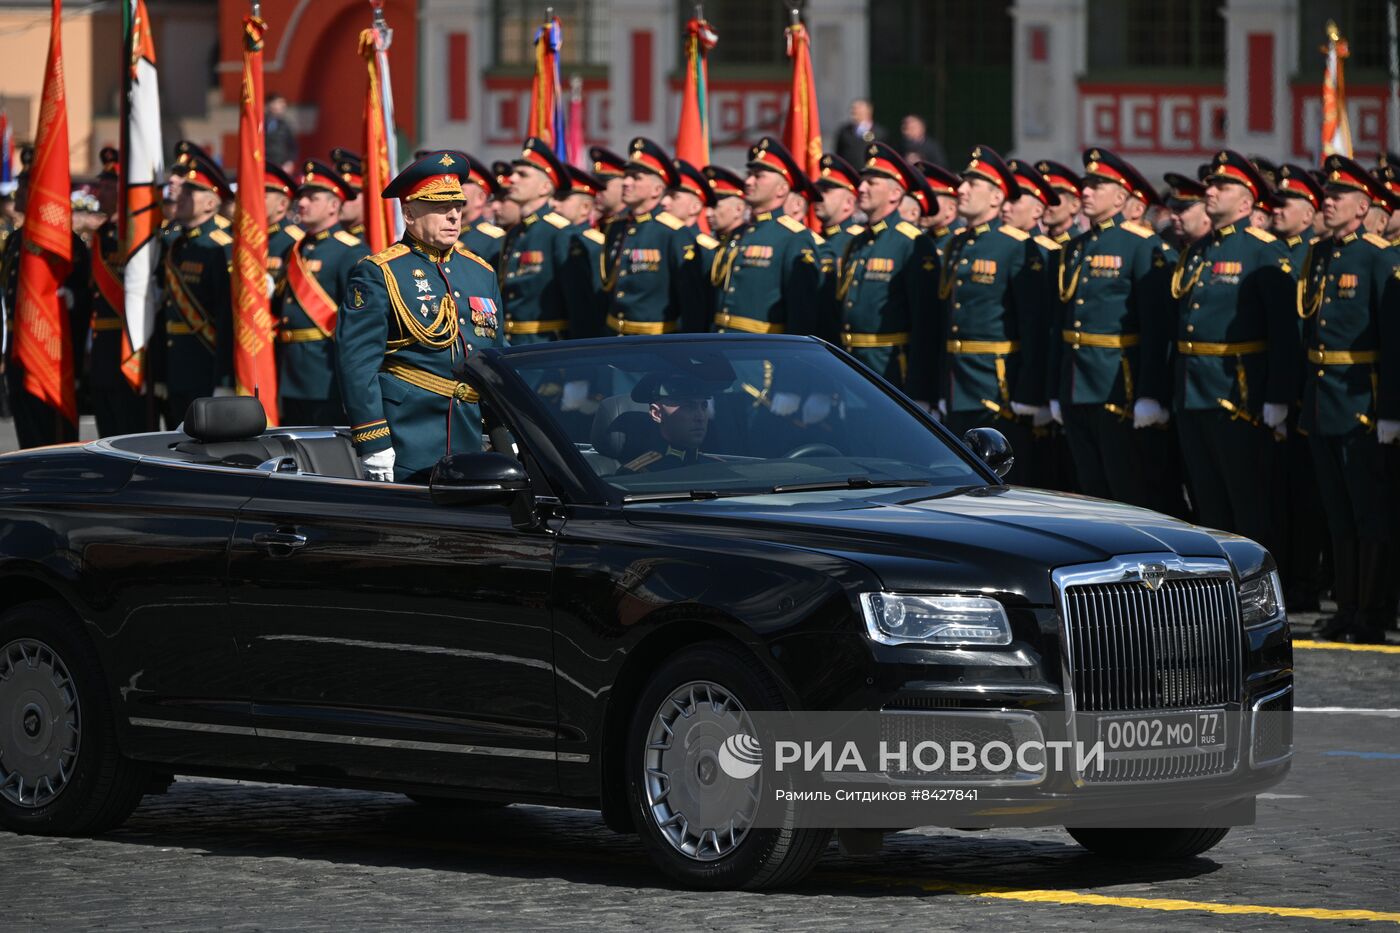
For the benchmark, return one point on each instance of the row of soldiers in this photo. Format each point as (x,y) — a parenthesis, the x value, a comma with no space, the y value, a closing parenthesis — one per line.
(1248,378)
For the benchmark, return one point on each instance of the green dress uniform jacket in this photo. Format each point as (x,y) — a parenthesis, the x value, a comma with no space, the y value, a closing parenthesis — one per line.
(281,237)
(1112,291)
(483,238)
(198,312)
(771,276)
(583,282)
(401,346)
(995,298)
(651,273)
(1236,344)
(317,275)
(530,271)
(836,238)
(887,289)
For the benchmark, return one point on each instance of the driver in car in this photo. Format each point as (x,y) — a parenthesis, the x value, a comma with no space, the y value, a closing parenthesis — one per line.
(680,406)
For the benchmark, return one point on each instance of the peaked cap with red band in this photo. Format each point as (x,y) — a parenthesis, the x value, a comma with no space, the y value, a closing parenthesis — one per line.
(1389,177)
(437,176)
(481,176)
(940,180)
(723,182)
(275,179)
(1340,172)
(581,182)
(770,155)
(201,172)
(1231,167)
(502,172)
(985,163)
(1033,183)
(692,180)
(645,155)
(537,154)
(350,167)
(923,193)
(1295,181)
(1061,177)
(606,163)
(836,172)
(882,160)
(1184,191)
(1107,165)
(317,175)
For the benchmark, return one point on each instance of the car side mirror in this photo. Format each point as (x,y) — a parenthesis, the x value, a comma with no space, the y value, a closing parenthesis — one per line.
(482,478)
(992,448)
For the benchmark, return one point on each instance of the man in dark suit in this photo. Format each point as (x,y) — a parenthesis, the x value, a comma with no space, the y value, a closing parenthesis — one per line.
(856,135)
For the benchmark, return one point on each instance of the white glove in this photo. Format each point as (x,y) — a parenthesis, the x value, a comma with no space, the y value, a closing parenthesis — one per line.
(271,285)
(575,394)
(224,391)
(943,407)
(1023,409)
(66,294)
(1056,414)
(1146,412)
(161,390)
(1388,431)
(816,408)
(380,466)
(785,403)
(1276,414)
(1042,417)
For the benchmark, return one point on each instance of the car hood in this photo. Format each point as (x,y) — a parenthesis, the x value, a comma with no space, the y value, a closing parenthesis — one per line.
(998,538)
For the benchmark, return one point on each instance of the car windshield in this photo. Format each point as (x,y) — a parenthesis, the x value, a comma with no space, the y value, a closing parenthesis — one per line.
(700,418)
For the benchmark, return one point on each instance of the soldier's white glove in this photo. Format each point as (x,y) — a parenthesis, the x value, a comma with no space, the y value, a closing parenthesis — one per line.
(943,407)
(575,394)
(1388,431)
(1276,414)
(380,466)
(224,391)
(1147,412)
(1023,409)
(161,390)
(66,294)
(1043,416)
(1056,414)
(786,403)
(816,408)
(271,285)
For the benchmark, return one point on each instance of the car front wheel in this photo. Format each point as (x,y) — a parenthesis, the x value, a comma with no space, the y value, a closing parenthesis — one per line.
(695,819)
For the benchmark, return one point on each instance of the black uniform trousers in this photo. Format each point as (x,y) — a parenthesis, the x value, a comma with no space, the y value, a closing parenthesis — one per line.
(1302,563)
(1017,432)
(119,410)
(36,423)
(1108,459)
(1229,466)
(1359,503)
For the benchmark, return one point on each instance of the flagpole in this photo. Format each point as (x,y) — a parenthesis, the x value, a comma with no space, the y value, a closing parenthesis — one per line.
(1393,105)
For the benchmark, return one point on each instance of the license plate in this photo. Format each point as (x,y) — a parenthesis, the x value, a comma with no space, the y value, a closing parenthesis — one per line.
(1200,730)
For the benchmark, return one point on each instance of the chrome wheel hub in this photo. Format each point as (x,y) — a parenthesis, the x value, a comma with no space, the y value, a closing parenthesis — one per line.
(700,808)
(39,724)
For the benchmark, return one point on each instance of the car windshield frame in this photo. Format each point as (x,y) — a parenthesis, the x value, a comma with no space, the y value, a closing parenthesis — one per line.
(496,371)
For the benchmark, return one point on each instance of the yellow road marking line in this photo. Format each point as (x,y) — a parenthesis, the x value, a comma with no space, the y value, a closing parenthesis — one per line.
(1075,898)
(1340,646)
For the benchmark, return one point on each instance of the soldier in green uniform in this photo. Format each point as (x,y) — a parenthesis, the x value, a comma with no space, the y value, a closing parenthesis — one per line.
(680,406)
(1187,202)
(942,220)
(1347,303)
(1059,221)
(351,169)
(197,314)
(837,184)
(282,233)
(688,201)
(412,315)
(536,250)
(610,169)
(887,280)
(118,408)
(1236,356)
(1106,378)
(309,295)
(501,210)
(994,312)
(651,270)
(480,235)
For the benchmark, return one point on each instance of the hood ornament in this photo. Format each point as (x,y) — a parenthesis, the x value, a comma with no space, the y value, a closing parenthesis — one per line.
(1152,575)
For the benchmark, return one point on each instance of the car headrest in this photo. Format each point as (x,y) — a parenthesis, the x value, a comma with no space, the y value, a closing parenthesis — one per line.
(232,418)
(622,428)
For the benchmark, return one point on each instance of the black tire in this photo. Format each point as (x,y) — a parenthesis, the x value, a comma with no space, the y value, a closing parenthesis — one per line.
(98,788)
(763,858)
(454,803)
(1149,844)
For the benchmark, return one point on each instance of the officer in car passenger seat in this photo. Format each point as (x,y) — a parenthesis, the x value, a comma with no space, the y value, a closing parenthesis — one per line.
(680,406)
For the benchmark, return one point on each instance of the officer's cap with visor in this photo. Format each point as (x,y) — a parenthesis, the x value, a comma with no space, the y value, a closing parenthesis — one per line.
(436,177)
(770,155)
(276,179)
(1061,177)
(940,180)
(1183,191)
(537,154)
(986,164)
(1106,165)
(723,182)
(201,172)
(318,176)
(644,155)
(883,162)
(478,174)
(1229,167)
(694,181)
(675,387)
(350,167)
(836,172)
(1033,183)
(1295,181)
(1388,174)
(581,182)
(606,163)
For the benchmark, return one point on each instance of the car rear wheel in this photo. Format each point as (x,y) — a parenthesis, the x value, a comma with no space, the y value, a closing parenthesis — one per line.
(1160,843)
(60,770)
(694,817)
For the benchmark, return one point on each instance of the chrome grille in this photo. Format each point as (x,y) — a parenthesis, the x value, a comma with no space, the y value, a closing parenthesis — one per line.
(1133,648)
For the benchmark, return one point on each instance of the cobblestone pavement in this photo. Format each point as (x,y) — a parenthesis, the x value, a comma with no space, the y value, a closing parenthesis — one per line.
(252,857)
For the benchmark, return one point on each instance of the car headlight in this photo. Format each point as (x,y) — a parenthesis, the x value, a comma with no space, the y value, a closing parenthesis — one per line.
(1261,599)
(900,619)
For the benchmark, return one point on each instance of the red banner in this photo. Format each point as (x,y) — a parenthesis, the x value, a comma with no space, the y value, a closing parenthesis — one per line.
(254,362)
(802,133)
(379,222)
(42,344)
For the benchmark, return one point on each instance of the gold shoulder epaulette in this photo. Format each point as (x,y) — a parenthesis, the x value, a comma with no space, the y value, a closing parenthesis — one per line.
(821,240)
(1260,234)
(704,239)
(1375,239)
(383,257)
(670,220)
(470,255)
(1046,242)
(646,459)
(490,229)
(1142,230)
(556,220)
(220,237)
(595,235)
(295,232)
(908,229)
(857,230)
(1016,233)
(791,224)
(349,239)
(222,222)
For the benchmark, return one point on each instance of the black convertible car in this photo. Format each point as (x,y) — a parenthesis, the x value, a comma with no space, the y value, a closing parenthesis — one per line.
(564,617)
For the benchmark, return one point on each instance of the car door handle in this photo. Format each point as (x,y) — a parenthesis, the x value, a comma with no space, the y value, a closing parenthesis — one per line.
(279,543)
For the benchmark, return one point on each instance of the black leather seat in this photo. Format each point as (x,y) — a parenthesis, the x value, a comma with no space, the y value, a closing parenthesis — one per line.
(622,431)
(231,431)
